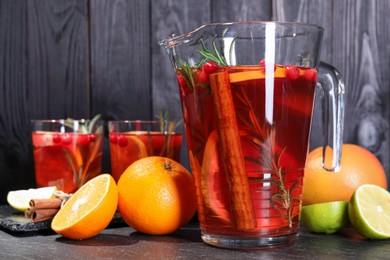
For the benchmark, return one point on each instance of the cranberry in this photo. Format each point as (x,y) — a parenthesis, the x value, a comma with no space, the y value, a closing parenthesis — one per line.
(262,65)
(91,137)
(113,138)
(122,141)
(184,88)
(311,74)
(66,139)
(83,139)
(262,62)
(202,77)
(210,67)
(57,138)
(292,72)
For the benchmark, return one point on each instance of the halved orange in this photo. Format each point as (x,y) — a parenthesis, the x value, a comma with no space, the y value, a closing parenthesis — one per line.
(89,210)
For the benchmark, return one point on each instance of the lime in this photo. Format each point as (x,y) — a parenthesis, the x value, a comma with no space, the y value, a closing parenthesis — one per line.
(369,211)
(328,217)
(20,199)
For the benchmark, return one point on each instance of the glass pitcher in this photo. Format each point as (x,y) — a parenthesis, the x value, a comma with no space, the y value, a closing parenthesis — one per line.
(247,92)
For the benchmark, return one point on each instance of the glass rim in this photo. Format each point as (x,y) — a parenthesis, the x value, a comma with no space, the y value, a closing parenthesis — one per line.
(136,121)
(175,39)
(63,120)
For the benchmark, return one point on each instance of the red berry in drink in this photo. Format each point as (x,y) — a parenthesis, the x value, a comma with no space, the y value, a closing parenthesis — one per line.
(202,77)
(66,139)
(210,67)
(91,137)
(113,138)
(262,65)
(311,74)
(292,72)
(57,139)
(122,141)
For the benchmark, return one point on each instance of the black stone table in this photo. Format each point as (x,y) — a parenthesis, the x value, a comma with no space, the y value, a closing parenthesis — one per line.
(122,242)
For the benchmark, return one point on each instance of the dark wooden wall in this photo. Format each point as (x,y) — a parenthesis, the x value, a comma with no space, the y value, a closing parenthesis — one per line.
(77,58)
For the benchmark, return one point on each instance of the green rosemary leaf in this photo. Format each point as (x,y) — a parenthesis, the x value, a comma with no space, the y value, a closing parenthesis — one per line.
(186,72)
(220,59)
(209,56)
(90,125)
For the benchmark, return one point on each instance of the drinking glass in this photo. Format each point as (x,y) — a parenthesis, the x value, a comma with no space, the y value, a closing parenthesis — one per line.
(67,152)
(133,140)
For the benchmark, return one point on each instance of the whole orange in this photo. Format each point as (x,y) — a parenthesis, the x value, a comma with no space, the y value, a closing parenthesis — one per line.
(156,195)
(358,166)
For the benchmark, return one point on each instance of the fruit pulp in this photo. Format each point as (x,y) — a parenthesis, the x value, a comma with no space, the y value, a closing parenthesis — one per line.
(273,118)
(127,147)
(66,160)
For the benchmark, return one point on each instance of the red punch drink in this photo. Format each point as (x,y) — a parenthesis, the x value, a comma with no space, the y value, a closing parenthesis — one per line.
(64,156)
(247,94)
(133,140)
(248,144)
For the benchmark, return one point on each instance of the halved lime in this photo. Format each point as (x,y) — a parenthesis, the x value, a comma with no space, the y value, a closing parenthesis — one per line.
(20,199)
(328,217)
(369,211)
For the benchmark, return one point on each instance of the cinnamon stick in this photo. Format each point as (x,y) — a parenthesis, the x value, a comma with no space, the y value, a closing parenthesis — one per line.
(54,203)
(37,215)
(232,157)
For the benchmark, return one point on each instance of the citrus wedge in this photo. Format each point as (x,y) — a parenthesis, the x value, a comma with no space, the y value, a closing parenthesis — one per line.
(125,152)
(213,181)
(89,210)
(255,74)
(328,217)
(20,199)
(138,147)
(369,211)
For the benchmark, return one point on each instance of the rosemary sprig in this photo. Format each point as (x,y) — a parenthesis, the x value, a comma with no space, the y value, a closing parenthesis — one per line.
(264,140)
(167,130)
(213,54)
(87,127)
(186,72)
(164,119)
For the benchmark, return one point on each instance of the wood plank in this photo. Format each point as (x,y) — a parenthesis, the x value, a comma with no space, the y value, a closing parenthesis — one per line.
(15,144)
(241,10)
(120,59)
(120,62)
(361,47)
(57,60)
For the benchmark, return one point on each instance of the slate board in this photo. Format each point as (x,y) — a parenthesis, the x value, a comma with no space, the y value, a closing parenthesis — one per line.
(15,221)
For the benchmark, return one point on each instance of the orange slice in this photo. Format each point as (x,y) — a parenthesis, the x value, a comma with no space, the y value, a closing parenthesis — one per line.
(124,155)
(89,210)
(213,182)
(138,147)
(255,74)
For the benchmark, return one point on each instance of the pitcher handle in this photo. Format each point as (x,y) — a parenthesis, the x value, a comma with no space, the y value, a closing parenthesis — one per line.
(333,89)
